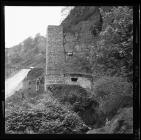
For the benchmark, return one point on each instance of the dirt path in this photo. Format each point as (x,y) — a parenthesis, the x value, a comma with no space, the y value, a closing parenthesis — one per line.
(14,83)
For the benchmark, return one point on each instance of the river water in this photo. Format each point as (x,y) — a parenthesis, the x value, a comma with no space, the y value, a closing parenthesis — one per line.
(14,83)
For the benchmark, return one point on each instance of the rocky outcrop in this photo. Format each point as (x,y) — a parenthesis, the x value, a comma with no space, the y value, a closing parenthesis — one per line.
(80,14)
(80,28)
(81,23)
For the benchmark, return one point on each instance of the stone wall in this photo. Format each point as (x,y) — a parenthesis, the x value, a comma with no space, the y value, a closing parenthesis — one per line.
(55,57)
(82,81)
(58,62)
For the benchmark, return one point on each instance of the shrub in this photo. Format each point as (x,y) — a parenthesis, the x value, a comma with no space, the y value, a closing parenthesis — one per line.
(78,100)
(43,122)
(112,103)
(121,123)
(71,124)
(112,85)
(47,117)
(113,93)
(71,94)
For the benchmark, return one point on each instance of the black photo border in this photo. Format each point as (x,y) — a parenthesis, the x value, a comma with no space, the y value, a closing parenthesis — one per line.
(136,64)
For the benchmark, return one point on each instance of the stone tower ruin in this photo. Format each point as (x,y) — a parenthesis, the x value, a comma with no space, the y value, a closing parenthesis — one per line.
(55,57)
(58,69)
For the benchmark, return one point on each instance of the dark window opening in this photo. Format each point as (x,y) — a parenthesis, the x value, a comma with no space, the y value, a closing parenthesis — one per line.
(74,79)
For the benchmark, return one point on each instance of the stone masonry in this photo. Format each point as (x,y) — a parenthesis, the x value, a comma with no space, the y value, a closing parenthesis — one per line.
(55,57)
(60,66)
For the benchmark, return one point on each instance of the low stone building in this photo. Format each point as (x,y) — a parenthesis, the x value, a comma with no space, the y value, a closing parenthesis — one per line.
(60,58)
(83,80)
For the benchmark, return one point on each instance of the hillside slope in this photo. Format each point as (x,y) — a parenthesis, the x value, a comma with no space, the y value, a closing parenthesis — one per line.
(29,53)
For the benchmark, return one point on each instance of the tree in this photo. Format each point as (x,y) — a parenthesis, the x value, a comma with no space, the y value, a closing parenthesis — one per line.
(114,51)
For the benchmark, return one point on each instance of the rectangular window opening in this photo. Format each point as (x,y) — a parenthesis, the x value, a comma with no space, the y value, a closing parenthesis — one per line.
(73,79)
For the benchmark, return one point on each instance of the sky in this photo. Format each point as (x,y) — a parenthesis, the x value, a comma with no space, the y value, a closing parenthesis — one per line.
(22,22)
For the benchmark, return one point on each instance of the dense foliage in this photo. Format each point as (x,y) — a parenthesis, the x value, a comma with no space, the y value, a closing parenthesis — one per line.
(45,115)
(114,44)
(30,52)
(122,123)
(80,101)
(113,93)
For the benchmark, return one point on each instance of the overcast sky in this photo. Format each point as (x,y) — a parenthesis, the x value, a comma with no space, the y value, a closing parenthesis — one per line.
(24,21)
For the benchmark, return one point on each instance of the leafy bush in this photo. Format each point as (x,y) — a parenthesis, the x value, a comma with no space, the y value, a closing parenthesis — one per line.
(113,93)
(71,124)
(112,85)
(114,51)
(70,93)
(121,123)
(78,100)
(46,117)
(73,95)
(112,103)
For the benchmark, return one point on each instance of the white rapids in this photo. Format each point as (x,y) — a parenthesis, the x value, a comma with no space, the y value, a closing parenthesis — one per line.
(14,83)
